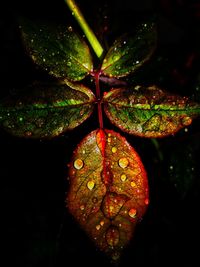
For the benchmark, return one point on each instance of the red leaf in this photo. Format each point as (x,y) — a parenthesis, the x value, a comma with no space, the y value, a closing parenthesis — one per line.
(109,190)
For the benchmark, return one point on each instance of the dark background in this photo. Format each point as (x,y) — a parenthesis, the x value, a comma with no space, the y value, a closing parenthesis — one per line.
(37,229)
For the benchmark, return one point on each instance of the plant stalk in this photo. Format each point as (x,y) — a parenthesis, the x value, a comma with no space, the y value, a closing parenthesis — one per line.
(98,49)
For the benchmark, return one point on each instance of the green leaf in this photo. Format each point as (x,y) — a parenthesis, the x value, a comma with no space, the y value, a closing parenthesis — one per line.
(149,112)
(46,110)
(129,52)
(109,190)
(57,49)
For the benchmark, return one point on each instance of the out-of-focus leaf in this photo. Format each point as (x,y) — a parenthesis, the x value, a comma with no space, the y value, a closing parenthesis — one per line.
(149,112)
(57,49)
(109,189)
(46,110)
(128,53)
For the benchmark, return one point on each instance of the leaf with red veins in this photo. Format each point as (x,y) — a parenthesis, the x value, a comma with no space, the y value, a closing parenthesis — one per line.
(109,190)
(149,111)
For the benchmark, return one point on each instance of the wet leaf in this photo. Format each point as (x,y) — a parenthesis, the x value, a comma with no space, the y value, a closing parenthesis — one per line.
(46,110)
(57,49)
(149,112)
(109,190)
(129,52)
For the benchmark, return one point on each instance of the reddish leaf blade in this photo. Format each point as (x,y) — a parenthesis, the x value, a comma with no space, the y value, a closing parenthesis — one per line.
(149,112)
(109,190)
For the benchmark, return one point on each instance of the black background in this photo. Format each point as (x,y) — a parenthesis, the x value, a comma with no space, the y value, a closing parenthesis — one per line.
(37,228)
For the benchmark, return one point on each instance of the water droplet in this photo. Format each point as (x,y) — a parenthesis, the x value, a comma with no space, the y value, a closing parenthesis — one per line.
(123,177)
(90,185)
(70,28)
(132,213)
(186,121)
(53,54)
(83,152)
(98,227)
(146,201)
(82,207)
(94,200)
(114,149)
(78,164)
(20,119)
(124,42)
(101,223)
(137,61)
(109,140)
(44,59)
(112,236)
(123,163)
(69,64)
(133,184)
(171,167)
(32,40)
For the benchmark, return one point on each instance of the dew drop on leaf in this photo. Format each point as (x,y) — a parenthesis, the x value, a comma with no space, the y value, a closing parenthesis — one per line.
(123,177)
(82,207)
(132,213)
(98,227)
(78,164)
(114,149)
(123,162)
(133,184)
(90,185)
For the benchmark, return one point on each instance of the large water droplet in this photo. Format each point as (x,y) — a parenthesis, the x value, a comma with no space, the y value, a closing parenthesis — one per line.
(78,164)
(132,213)
(123,162)
(90,185)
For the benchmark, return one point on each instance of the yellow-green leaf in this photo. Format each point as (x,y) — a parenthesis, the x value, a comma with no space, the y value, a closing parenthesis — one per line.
(149,112)
(46,110)
(57,49)
(129,52)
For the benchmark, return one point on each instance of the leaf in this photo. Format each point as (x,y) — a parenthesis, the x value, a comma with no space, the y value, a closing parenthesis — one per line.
(46,110)
(149,112)
(57,49)
(109,190)
(128,53)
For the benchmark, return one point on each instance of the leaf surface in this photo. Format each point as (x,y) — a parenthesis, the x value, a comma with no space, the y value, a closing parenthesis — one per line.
(129,52)
(108,190)
(149,112)
(57,49)
(46,110)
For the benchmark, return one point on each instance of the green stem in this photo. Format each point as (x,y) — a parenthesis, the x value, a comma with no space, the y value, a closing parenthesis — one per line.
(85,27)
